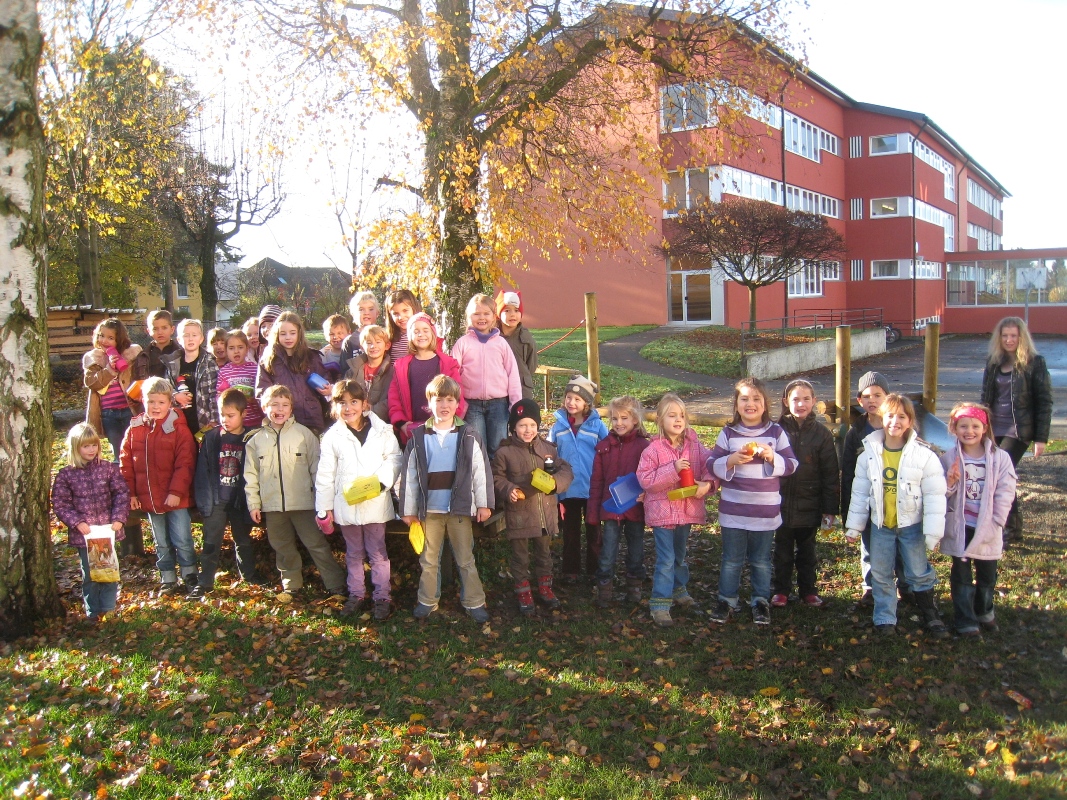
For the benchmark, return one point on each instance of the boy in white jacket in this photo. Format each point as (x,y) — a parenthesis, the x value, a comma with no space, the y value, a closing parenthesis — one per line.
(358,445)
(900,485)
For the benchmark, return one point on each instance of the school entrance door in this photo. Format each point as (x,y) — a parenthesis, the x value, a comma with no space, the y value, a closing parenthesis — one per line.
(696,297)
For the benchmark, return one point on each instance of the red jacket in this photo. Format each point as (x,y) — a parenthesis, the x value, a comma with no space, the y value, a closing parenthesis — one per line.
(400,390)
(159,458)
(614,458)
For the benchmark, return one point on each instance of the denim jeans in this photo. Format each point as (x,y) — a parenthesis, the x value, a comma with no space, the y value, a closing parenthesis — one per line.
(115,422)
(738,546)
(173,534)
(490,419)
(99,598)
(887,544)
(610,531)
(865,562)
(973,584)
(671,576)
(214,531)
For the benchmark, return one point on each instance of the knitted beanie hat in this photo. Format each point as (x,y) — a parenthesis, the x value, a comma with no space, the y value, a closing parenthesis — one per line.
(269,313)
(583,387)
(509,299)
(422,316)
(523,409)
(870,379)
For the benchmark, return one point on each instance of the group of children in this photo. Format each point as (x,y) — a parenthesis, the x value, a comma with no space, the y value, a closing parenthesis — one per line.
(265,452)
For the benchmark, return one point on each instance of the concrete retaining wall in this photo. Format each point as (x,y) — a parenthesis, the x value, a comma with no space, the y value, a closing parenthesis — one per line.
(800,358)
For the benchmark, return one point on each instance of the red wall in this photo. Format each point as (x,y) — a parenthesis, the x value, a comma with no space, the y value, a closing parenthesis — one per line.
(981,319)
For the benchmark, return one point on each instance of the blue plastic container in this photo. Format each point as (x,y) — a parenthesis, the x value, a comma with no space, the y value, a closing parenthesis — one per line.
(624,494)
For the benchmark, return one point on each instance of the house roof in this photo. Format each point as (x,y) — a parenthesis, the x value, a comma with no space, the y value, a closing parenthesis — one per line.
(275,273)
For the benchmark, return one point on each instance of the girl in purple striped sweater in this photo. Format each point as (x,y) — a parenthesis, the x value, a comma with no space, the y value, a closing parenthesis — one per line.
(750,457)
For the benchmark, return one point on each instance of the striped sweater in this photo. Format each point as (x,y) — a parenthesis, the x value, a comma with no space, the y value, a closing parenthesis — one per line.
(243,376)
(750,497)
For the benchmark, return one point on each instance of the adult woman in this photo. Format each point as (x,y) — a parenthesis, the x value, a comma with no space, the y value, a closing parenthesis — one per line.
(1017,387)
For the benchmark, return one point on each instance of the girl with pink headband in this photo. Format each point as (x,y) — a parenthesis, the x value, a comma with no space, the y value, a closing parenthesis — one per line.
(981,487)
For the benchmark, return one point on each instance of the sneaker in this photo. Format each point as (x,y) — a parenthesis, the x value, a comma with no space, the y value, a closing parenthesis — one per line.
(199,592)
(937,629)
(813,600)
(866,600)
(662,617)
(761,613)
(684,601)
(422,611)
(779,600)
(989,626)
(886,629)
(353,605)
(172,588)
(721,613)
(969,633)
(383,609)
(479,614)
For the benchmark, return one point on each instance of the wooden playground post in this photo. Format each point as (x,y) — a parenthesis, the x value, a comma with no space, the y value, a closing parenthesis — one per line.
(843,393)
(932,353)
(592,341)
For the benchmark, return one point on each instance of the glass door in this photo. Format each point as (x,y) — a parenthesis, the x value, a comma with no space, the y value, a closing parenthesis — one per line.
(698,297)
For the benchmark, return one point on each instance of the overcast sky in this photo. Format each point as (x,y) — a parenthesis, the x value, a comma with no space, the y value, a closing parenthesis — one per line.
(987,72)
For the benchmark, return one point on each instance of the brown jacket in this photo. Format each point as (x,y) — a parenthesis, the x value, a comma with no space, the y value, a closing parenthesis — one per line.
(99,374)
(513,466)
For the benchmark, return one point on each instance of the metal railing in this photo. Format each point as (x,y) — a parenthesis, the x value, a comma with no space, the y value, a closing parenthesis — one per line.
(810,319)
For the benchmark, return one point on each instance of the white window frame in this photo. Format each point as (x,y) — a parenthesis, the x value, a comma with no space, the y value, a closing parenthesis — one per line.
(980,197)
(855,147)
(856,204)
(857,269)
(987,239)
(690,175)
(798,199)
(925,154)
(903,207)
(808,140)
(831,271)
(807,281)
(903,268)
(178,289)
(901,144)
(759,109)
(684,107)
(928,270)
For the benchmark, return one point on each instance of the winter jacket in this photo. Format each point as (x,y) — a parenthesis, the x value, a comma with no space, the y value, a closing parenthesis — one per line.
(400,404)
(98,376)
(159,459)
(1031,398)
(378,390)
(206,482)
(473,487)
(614,458)
(96,494)
(813,490)
(487,370)
(351,348)
(921,488)
(657,475)
(524,347)
(150,361)
(751,493)
(850,451)
(342,459)
(577,449)
(280,468)
(309,407)
(513,466)
(206,376)
(997,497)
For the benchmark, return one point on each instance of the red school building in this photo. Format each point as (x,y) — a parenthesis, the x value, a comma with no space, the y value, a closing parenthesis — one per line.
(921,218)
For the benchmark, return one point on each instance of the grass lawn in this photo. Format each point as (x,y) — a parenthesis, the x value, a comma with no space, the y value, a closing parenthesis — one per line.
(716,349)
(570,353)
(241,697)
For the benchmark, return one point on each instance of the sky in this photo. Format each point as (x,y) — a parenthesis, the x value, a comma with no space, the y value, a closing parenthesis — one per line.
(986,71)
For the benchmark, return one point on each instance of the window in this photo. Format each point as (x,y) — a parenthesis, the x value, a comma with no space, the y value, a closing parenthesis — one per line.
(855,147)
(978,196)
(889,144)
(797,199)
(807,282)
(760,109)
(183,288)
(857,269)
(886,269)
(183,312)
(1040,281)
(857,207)
(831,270)
(829,142)
(891,207)
(684,106)
(928,269)
(987,240)
(935,160)
(807,140)
(748,184)
(685,189)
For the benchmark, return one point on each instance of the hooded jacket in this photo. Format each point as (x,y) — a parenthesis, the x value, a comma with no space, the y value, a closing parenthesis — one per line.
(378,389)
(99,374)
(206,377)
(577,449)
(813,490)
(997,497)
(487,369)
(342,459)
(614,458)
(280,468)
(400,389)
(159,459)
(1031,398)
(513,466)
(309,407)
(95,494)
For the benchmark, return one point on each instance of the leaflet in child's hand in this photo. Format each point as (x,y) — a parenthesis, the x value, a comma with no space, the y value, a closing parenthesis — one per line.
(103,559)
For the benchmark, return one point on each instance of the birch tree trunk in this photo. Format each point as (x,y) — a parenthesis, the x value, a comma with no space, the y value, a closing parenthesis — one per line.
(27,581)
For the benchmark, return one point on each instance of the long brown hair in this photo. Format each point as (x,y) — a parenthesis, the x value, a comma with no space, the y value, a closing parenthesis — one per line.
(300,361)
(400,296)
(1025,351)
(122,339)
(751,383)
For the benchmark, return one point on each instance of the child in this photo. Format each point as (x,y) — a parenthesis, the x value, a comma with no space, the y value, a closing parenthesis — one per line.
(336,330)
(900,487)
(110,409)
(576,431)
(90,491)
(158,461)
(618,455)
(444,482)
(359,445)
(674,451)
(288,361)
(520,340)
(531,513)
(365,312)
(255,345)
(240,373)
(373,369)
(268,315)
(220,493)
(413,373)
(402,305)
(488,374)
(981,486)
(195,375)
(280,464)
(216,338)
(160,327)
(750,456)
(809,495)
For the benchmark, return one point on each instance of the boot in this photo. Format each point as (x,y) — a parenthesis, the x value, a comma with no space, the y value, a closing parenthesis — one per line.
(545,595)
(928,608)
(526,601)
(633,590)
(603,594)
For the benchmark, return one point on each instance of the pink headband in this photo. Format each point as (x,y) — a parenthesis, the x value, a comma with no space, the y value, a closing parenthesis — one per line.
(970,411)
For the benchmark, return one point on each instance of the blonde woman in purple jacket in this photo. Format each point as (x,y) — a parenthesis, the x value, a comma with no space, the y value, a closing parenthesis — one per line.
(981,488)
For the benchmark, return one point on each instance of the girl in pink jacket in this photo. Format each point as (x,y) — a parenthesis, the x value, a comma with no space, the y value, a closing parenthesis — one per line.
(673,459)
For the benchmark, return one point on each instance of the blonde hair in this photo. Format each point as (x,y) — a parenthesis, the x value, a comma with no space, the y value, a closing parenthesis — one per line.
(898,402)
(81,434)
(156,385)
(443,386)
(665,402)
(627,404)
(358,299)
(185,323)
(751,383)
(372,332)
(480,300)
(216,335)
(1025,351)
(274,391)
(987,434)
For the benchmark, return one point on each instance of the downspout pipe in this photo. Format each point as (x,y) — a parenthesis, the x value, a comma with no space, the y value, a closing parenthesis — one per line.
(914,231)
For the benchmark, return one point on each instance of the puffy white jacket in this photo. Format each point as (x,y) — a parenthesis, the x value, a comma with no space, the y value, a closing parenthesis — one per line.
(921,488)
(343,459)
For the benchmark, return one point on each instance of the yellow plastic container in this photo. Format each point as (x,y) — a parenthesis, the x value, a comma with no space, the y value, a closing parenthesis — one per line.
(542,481)
(683,492)
(362,489)
(417,537)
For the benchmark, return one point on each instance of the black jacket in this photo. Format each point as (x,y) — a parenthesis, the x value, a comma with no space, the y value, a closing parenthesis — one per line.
(207,479)
(1031,398)
(812,490)
(850,453)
